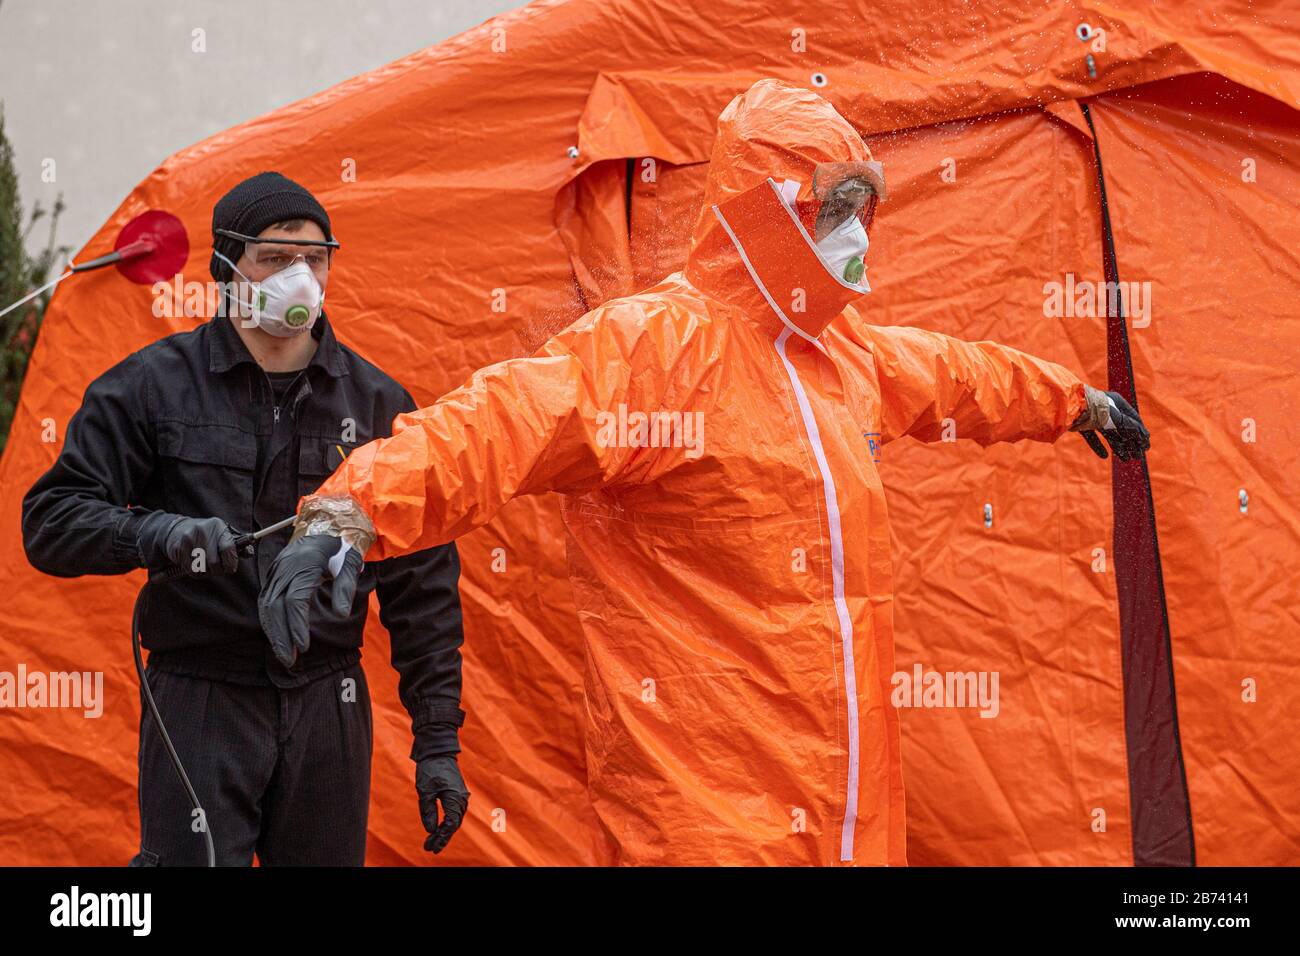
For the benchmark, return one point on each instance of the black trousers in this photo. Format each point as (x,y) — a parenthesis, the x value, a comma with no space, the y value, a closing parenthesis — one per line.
(283,773)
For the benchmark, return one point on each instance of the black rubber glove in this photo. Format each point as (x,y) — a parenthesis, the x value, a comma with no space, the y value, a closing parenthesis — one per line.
(284,605)
(1127,436)
(169,541)
(438,780)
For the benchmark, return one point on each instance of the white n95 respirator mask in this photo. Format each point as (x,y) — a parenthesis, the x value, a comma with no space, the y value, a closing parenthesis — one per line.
(284,304)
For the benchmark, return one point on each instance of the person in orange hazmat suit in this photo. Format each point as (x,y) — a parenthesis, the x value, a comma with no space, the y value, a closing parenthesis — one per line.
(713,440)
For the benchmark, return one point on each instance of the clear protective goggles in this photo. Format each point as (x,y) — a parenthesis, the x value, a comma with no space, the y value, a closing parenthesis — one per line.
(846,189)
(269,256)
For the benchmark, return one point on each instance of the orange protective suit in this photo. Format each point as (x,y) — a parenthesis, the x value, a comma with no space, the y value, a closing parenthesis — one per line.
(715,438)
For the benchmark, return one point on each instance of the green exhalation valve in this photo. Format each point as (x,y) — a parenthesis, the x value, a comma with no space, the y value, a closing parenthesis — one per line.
(853,271)
(297,315)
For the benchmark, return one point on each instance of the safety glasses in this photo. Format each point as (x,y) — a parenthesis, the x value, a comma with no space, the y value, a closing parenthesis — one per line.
(273,255)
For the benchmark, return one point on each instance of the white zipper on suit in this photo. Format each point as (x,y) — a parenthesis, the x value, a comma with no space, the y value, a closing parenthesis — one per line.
(837,544)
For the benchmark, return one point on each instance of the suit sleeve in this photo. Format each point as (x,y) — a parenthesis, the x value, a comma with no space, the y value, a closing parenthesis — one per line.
(76,517)
(989,392)
(520,427)
(419,605)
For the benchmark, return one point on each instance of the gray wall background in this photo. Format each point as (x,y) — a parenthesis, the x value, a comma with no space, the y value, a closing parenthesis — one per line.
(109,88)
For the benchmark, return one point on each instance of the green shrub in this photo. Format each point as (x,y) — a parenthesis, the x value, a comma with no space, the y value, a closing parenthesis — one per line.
(20,273)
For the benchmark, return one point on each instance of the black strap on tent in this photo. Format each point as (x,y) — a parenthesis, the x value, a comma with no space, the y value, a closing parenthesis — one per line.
(1159,805)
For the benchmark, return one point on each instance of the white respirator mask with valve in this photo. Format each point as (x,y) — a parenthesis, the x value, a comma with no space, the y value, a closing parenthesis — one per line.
(844,248)
(284,304)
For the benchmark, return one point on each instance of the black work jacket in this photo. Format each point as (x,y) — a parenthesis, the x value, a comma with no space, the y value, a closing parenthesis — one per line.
(190,425)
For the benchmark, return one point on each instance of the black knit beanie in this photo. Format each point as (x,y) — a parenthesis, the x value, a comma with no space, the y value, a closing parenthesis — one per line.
(254,204)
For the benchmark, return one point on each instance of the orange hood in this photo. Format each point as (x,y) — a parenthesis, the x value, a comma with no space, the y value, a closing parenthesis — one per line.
(750,248)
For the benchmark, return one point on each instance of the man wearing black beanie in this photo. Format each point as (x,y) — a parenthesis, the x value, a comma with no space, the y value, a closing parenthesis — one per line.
(178,451)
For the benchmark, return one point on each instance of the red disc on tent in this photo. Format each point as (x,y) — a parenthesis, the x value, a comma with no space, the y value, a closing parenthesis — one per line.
(159,247)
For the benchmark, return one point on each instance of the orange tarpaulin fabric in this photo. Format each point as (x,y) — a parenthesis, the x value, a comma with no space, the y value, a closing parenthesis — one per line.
(471,235)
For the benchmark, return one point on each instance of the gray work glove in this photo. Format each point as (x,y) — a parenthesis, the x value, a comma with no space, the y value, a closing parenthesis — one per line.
(284,605)
(195,546)
(1110,415)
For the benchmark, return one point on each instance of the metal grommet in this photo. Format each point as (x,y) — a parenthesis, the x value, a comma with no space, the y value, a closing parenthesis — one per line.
(1084,32)
(988,515)
(1243,500)
(573,152)
(819,79)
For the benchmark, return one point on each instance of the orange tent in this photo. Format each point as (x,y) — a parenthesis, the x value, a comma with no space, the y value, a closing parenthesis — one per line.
(491,189)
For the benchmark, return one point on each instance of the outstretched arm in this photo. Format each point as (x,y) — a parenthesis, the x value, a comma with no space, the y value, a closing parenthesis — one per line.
(523,426)
(989,392)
